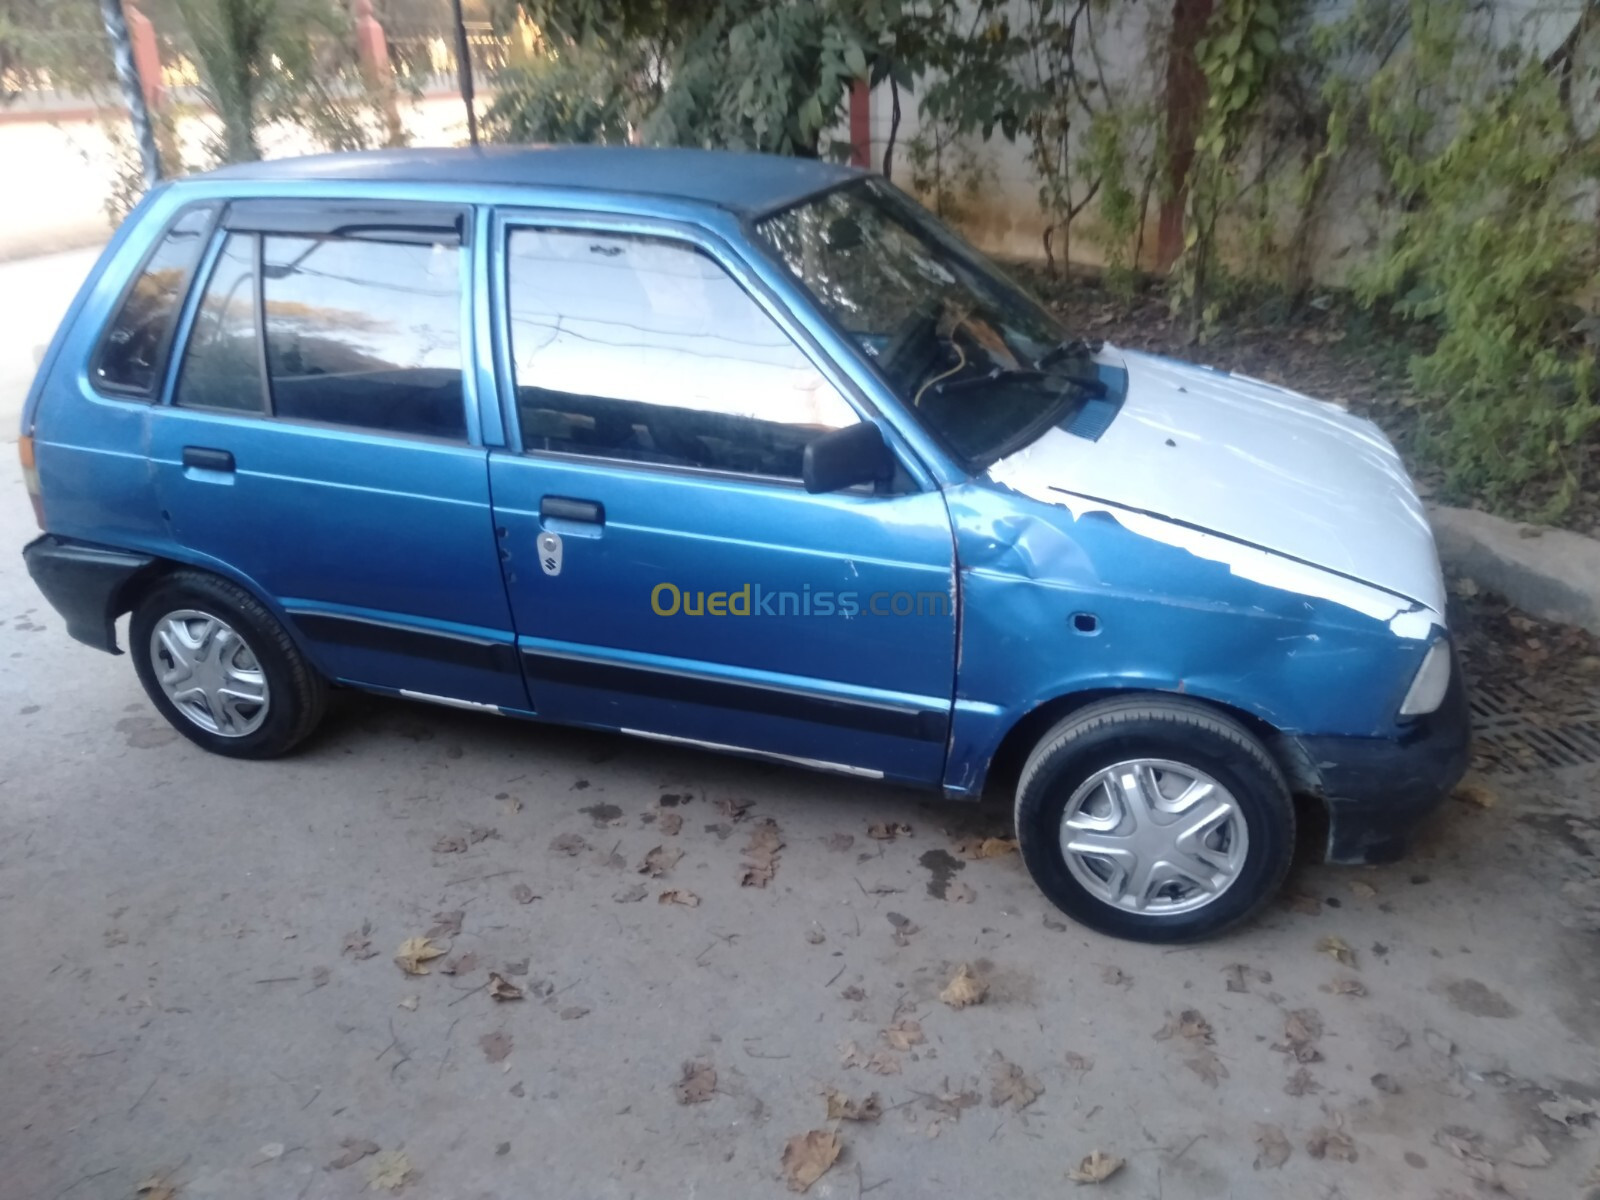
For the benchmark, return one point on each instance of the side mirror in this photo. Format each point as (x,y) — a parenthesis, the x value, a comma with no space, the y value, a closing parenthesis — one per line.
(846,457)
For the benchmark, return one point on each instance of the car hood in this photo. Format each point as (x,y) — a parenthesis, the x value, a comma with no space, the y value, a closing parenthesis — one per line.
(1248,462)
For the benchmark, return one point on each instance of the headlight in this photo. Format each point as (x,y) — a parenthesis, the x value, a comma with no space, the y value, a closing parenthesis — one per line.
(1432,681)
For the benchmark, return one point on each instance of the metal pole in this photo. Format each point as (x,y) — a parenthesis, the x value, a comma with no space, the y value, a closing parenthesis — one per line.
(464,71)
(132,92)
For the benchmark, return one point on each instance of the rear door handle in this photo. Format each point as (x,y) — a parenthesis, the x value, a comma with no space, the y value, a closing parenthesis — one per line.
(207,459)
(562,509)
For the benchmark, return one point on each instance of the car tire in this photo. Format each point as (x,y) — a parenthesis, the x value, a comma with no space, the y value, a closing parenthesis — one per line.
(222,669)
(1193,813)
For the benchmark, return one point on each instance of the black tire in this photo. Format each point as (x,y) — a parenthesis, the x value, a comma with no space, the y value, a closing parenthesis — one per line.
(1156,727)
(296,694)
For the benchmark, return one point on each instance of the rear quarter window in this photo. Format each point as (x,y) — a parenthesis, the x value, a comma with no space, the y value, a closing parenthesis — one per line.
(132,355)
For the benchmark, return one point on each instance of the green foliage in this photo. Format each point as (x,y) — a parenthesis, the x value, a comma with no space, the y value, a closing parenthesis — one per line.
(1491,239)
(277,60)
(576,92)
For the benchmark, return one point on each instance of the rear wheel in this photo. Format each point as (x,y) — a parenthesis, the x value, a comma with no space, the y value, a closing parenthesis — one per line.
(221,668)
(1156,819)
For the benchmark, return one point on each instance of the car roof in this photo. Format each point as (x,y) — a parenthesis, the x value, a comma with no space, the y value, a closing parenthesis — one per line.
(749,184)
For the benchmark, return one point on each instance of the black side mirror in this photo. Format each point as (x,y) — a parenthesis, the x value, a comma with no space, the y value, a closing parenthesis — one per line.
(847,457)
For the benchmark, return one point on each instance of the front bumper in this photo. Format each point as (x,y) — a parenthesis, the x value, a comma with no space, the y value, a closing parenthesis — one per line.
(84,584)
(1378,790)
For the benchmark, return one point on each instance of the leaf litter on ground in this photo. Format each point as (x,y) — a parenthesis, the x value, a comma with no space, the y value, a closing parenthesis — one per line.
(389,1170)
(807,1157)
(659,861)
(501,988)
(1096,1167)
(697,1083)
(842,1108)
(1272,1147)
(1010,1084)
(352,1151)
(415,952)
(761,854)
(964,989)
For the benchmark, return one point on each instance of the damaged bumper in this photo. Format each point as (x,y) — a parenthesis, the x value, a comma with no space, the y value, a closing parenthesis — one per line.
(1378,790)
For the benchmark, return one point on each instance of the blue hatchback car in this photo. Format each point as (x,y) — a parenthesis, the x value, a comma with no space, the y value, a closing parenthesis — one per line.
(745,453)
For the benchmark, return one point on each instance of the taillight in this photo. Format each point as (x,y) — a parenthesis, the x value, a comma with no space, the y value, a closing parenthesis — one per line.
(30,478)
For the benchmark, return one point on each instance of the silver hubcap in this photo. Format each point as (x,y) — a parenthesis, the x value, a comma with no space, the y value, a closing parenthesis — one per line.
(1155,837)
(209,672)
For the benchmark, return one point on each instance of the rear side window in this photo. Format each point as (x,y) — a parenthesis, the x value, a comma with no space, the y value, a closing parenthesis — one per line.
(133,354)
(352,331)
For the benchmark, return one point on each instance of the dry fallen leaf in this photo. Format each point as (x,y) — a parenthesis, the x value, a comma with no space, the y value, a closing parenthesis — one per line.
(678,896)
(904,1034)
(574,1012)
(446,924)
(449,845)
(659,861)
(1011,1085)
(761,854)
(1187,1024)
(569,844)
(964,989)
(1301,1084)
(1478,794)
(887,831)
(950,1104)
(631,895)
(1301,1031)
(388,1170)
(851,1055)
(1078,1062)
(461,964)
(414,952)
(1208,1066)
(409,1003)
(698,1083)
(733,809)
(959,893)
(816,937)
(1363,889)
(883,1063)
(1272,1148)
(670,823)
(1529,1152)
(839,842)
(1096,1167)
(157,1188)
(523,894)
(1339,948)
(1386,1083)
(353,1151)
(359,943)
(1332,1144)
(842,1108)
(1302,903)
(1568,1111)
(500,988)
(496,1045)
(482,833)
(853,992)
(807,1157)
(1345,986)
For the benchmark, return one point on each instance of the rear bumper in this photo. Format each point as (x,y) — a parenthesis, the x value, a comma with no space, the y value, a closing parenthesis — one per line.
(1378,790)
(83,583)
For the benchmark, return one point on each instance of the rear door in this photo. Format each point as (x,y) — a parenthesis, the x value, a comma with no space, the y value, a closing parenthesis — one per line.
(668,572)
(321,442)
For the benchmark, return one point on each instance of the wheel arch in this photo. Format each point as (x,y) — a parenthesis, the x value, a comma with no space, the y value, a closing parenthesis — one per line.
(1305,784)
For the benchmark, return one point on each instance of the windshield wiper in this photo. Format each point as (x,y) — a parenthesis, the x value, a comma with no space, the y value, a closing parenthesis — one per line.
(1070,348)
(1085,383)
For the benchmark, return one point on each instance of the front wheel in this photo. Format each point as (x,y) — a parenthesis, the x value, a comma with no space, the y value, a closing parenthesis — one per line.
(221,669)
(1154,818)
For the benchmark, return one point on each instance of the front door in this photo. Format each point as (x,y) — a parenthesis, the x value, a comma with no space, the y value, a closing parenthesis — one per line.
(668,573)
(320,443)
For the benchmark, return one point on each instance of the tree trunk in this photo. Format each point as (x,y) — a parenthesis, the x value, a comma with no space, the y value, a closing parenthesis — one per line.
(1186,99)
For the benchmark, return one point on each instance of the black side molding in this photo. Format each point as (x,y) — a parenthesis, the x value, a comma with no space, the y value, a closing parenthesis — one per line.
(84,583)
(923,725)
(366,633)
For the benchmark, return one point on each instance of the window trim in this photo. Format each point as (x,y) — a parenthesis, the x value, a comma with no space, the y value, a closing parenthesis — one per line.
(507,220)
(299,217)
(157,388)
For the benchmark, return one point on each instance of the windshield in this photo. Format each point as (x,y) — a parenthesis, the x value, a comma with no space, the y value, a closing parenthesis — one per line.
(982,365)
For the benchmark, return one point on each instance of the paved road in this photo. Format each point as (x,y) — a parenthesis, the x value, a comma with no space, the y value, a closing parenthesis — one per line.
(197,975)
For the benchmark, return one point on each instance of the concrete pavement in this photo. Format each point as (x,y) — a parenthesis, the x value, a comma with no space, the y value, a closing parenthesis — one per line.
(199,985)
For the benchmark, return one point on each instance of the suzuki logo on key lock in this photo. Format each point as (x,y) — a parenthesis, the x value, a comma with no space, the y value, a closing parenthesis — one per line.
(550,553)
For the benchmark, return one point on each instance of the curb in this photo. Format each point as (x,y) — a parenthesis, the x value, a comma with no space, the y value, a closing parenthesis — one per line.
(1552,574)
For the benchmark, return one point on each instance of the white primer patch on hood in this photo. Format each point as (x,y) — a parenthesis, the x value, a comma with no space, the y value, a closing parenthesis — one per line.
(1271,472)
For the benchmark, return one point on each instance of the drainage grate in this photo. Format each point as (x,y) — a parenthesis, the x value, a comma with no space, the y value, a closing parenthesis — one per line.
(1516,731)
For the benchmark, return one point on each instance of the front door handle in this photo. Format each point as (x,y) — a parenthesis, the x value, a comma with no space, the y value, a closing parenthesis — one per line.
(207,459)
(561,508)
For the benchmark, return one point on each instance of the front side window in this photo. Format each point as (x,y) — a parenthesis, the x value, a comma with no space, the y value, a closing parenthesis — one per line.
(644,349)
(982,365)
(134,352)
(358,332)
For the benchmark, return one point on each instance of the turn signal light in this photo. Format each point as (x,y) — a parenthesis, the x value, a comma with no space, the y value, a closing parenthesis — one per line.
(30,478)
